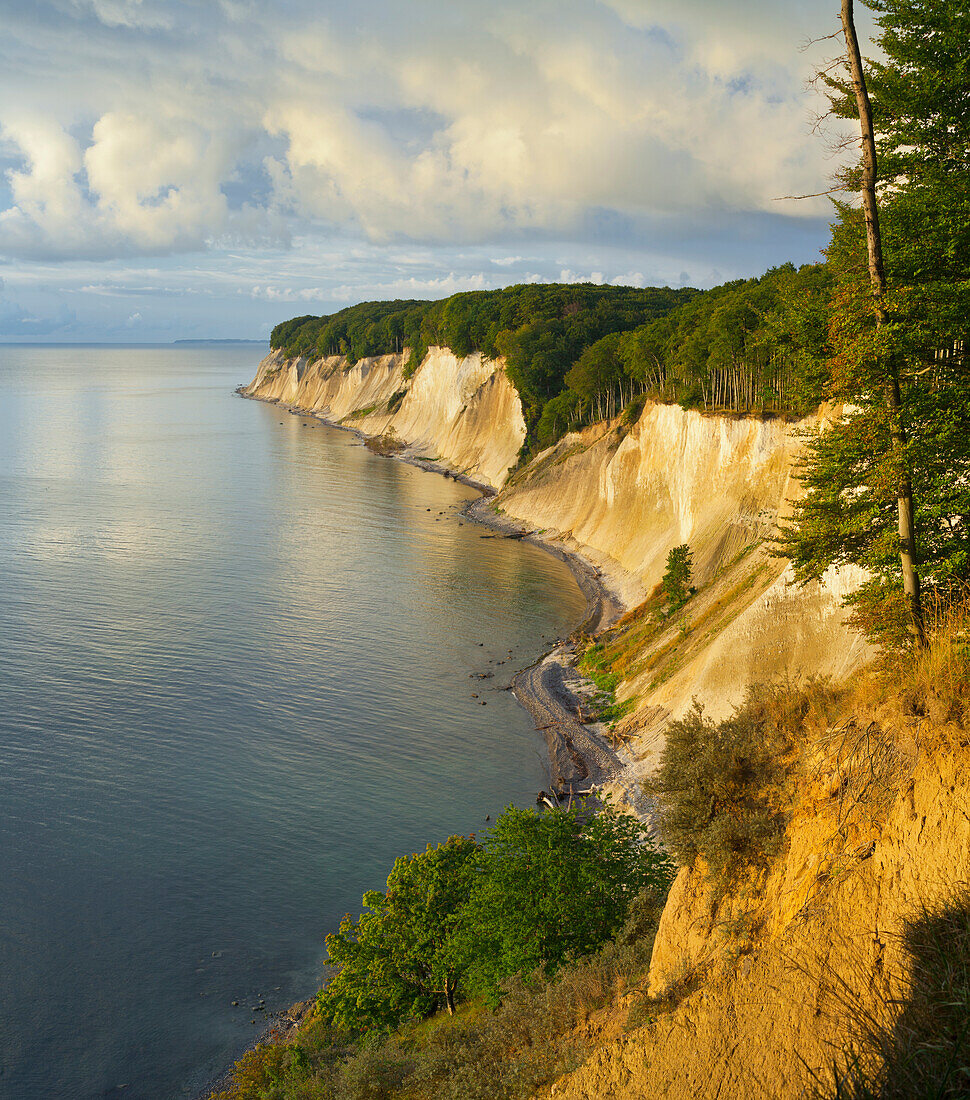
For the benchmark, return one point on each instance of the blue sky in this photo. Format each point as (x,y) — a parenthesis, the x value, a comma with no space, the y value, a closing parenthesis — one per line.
(206,169)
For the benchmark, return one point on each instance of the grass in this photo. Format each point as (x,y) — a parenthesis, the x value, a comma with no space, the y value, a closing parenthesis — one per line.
(654,638)
(915,1044)
(595,666)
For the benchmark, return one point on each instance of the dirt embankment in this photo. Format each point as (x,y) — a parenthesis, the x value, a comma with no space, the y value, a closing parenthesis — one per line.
(856,939)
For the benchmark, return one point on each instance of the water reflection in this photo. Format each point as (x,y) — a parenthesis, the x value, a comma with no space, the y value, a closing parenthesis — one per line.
(235,683)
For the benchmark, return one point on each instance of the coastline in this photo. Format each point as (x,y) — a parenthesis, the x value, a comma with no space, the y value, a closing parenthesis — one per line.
(579,758)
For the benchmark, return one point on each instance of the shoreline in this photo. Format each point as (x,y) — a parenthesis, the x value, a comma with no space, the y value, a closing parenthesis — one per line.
(578,757)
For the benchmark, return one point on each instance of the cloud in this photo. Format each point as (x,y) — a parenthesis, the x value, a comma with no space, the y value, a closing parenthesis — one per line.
(18,323)
(128,124)
(413,287)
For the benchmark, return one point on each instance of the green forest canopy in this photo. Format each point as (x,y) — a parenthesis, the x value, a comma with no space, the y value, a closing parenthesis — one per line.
(581,352)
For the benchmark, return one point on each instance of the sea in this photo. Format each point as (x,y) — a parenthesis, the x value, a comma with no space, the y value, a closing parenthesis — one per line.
(241,670)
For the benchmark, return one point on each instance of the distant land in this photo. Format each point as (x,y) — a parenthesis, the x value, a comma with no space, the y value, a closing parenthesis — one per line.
(219,341)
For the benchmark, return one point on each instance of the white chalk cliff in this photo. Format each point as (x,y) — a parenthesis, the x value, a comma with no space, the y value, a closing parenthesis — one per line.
(463,413)
(622,498)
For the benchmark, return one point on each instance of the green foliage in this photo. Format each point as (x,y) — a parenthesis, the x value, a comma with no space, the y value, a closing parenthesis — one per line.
(596,666)
(677,576)
(408,951)
(542,329)
(558,415)
(460,918)
(557,885)
(751,345)
(634,410)
(852,471)
(534,1036)
(578,353)
(722,787)
(920,92)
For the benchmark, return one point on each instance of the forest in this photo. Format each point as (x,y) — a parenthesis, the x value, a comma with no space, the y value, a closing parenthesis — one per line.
(578,353)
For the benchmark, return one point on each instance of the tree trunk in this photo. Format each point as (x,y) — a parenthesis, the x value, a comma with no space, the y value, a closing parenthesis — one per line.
(449,992)
(877,280)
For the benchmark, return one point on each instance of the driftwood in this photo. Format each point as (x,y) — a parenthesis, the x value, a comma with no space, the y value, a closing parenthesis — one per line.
(555,799)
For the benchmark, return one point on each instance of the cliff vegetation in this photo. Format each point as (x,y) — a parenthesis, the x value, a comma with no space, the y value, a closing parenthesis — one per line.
(579,353)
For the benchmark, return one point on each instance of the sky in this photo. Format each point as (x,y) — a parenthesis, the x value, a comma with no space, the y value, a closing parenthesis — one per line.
(203,169)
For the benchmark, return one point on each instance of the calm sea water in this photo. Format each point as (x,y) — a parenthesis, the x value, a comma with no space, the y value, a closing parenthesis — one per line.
(235,661)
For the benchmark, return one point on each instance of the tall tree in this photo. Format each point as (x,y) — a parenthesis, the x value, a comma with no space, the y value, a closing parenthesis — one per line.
(877,279)
(899,326)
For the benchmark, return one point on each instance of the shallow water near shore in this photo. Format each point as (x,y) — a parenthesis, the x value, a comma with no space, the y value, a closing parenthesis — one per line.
(236,676)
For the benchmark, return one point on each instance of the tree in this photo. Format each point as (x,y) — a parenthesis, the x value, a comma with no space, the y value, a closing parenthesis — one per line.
(887,357)
(461,917)
(889,484)
(677,576)
(409,952)
(558,884)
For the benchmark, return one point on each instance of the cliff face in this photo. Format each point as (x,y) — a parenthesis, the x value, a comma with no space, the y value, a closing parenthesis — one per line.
(622,499)
(461,412)
(675,477)
(762,991)
(751,987)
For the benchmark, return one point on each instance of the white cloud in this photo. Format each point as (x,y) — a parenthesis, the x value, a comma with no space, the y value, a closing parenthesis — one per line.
(123,13)
(150,126)
(413,287)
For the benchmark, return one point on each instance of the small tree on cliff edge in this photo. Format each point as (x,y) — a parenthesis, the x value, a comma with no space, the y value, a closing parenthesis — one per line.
(677,576)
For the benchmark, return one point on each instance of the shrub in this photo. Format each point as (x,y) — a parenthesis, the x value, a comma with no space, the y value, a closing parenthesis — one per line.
(531,1038)
(722,786)
(409,951)
(395,400)
(557,885)
(634,410)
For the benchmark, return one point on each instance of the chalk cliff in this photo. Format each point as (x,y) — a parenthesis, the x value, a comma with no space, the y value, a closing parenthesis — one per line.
(624,498)
(621,497)
(755,991)
(461,412)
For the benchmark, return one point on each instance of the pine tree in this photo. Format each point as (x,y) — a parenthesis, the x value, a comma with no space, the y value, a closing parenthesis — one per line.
(899,328)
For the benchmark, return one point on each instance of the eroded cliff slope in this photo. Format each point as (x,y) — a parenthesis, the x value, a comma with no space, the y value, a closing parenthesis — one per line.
(463,413)
(625,497)
(621,497)
(847,959)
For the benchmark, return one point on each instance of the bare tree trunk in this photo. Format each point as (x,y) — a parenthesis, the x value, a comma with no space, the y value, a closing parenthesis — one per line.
(877,280)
